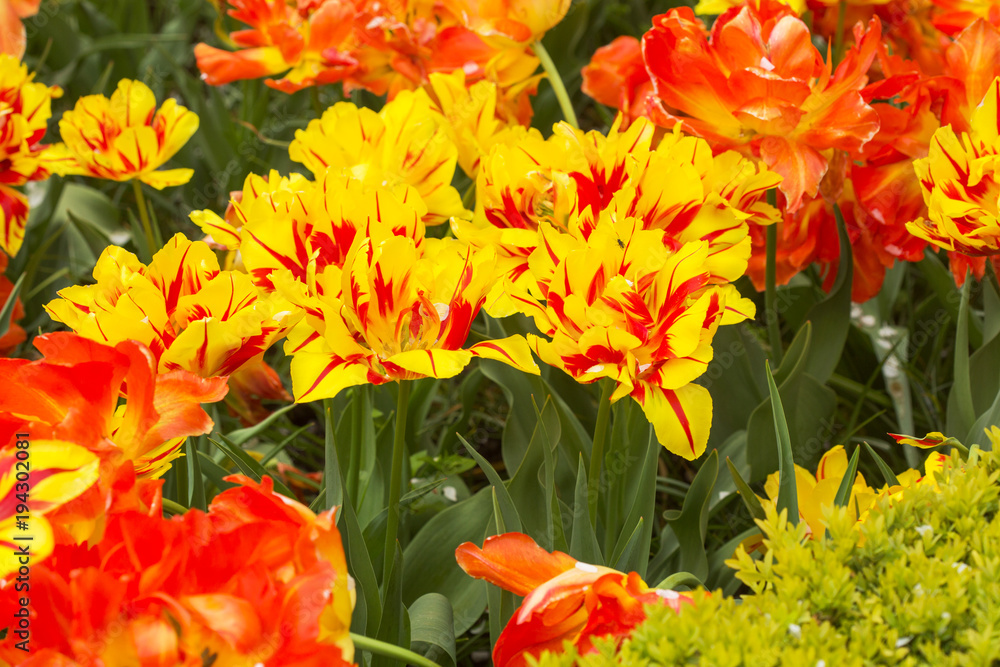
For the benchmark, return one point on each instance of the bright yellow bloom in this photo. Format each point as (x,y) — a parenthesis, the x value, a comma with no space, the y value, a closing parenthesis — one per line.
(126,137)
(475,123)
(398,312)
(405,143)
(189,313)
(570,180)
(625,306)
(25,109)
(961,186)
(816,494)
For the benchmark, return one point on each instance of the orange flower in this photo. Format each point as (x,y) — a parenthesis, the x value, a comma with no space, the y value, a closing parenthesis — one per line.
(757,84)
(517,20)
(954,15)
(617,77)
(258,579)
(25,109)
(305,41)
(12,34)
(566,600)
(72,395)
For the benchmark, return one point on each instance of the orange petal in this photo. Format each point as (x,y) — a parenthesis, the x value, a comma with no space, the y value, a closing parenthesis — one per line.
(512,561)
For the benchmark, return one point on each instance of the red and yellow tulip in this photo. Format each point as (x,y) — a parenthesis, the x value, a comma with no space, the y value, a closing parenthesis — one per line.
(396,312)
(125,137)
(258,579)
(960,186)
(631,305)
(190,314)
(565,600)
(406,143)
(25,109)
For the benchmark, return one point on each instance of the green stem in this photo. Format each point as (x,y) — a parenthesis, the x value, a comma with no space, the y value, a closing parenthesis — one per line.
(362,412)
(396,479)
(557,84)
(329,455)
(597,452)
(391,651)
(838,37)
(173,507)
(770,294)
(147,226)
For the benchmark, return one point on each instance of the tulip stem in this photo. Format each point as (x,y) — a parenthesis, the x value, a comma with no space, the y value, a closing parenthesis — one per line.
(838,37)
(147,226)
(395,479)
(597,452)
(557,84)
(770,293)
(391,651)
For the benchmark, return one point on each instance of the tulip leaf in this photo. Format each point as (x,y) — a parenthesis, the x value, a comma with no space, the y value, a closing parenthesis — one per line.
(359,563)
(196,496)
(7,312)
(977,434)
(333,482)
(734,379)
(583,542)
(690,525)
(526,488)
(214,472)
(680,579)
(961,410)
(240,437)
(750,498)
(787,496)
(394,627)
(432,629)
(247,464)
(508,511)
(887,473)
(844,490)
(631,553)
(831,317)
(643,492)
(430,565)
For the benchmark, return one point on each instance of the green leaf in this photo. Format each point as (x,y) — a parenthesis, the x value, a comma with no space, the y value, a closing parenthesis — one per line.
(844,490)
(787,496)
(214,472)
(196,485)
(241,436)
(430,565)
(977,434)
(583,542)
(394,627)
(247,464)
(508,512)
(831,317)
(7,312)
(961,412)
(432,629)
(642,488)
(750,498)
(691,523)
(734,379)
(359,563)
(333,476)
(631,551)
(526,488)
(680,579)
(887,473)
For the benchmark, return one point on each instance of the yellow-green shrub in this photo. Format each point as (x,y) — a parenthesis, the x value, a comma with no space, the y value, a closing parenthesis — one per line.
(922,589)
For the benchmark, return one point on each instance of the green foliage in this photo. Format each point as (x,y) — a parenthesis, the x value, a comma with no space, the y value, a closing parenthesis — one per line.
(921,589)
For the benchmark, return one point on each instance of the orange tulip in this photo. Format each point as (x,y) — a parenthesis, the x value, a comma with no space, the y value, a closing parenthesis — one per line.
(305,42)
(257,580)
(565,600)
(71,395)
(617,77)
(757,84)
(12,33)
